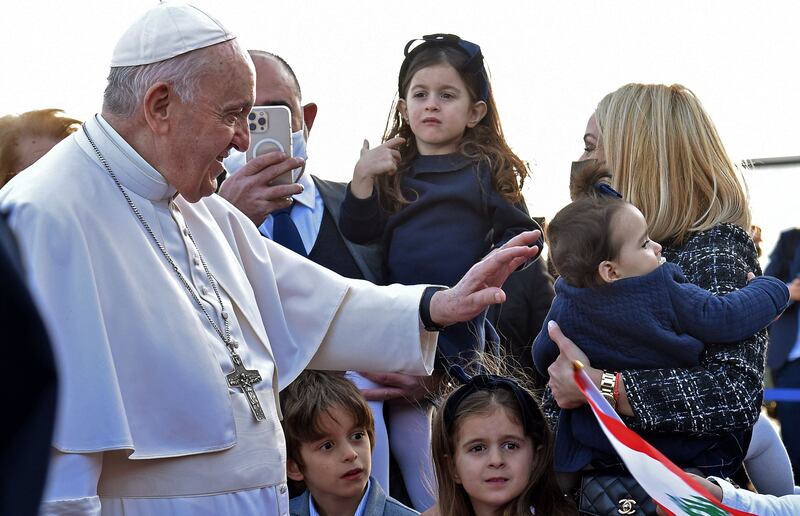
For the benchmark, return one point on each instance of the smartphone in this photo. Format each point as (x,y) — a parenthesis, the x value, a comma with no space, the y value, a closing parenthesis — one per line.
(271,130)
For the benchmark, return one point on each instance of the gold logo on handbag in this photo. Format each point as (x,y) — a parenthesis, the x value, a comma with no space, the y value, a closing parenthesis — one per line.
(626,506)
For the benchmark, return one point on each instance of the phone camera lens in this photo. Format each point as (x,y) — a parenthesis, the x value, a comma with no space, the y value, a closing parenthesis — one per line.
(253,127)
(251,116)
(262,121)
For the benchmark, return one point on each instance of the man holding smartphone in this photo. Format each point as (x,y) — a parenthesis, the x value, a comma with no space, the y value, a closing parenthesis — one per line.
(313,202)
(315,214)
(174,324)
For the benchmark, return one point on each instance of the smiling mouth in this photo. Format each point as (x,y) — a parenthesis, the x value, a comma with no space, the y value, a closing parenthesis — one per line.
(224,155)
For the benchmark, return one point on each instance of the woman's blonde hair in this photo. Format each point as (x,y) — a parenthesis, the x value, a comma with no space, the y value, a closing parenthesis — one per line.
(667,159)
(43,122)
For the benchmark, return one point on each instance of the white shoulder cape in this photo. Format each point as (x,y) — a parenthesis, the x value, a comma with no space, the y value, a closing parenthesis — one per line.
(124,329)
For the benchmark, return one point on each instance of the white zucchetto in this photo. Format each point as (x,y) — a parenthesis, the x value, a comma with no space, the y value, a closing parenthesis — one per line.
(166,31)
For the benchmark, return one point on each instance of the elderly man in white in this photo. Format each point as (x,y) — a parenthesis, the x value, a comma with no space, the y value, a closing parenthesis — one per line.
(174,323)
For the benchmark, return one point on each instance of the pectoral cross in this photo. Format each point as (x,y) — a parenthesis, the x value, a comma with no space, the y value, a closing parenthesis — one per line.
(245,379)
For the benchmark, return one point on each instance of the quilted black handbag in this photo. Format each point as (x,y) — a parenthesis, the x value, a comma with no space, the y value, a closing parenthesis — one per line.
(603,494)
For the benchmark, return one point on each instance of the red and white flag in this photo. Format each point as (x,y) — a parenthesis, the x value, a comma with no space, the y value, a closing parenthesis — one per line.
(671,488)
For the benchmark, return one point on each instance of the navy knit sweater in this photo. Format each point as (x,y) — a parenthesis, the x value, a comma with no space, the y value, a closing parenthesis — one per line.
(454,219)
(653,321)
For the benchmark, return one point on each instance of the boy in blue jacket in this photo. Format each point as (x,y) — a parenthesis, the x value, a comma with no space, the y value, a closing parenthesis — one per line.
(329,437)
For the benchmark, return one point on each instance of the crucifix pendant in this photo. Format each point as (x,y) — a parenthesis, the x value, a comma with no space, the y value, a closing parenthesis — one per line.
(245,379)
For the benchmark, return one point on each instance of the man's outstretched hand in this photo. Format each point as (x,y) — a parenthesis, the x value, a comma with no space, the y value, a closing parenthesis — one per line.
(480,286)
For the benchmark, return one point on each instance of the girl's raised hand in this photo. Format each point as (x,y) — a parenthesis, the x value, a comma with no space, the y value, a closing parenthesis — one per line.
(374,162)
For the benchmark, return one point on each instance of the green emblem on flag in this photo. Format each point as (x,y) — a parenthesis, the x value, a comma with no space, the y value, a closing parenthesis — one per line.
(698,506)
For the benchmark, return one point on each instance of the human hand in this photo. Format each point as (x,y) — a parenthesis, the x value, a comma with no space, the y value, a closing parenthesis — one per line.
(480,286)
(794,289)
(750,277)
(249,188)
(712,488)
(400,386)
(383,159)
(562,382)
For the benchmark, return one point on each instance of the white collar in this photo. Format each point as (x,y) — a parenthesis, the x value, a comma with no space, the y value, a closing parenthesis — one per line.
(309,194)
(362,505)
(132,170)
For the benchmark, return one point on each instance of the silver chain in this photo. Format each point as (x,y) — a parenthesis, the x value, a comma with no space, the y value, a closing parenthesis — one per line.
(226,336)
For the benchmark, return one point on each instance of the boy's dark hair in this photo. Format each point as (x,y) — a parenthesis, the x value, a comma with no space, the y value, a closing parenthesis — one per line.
(579,235)
(313,394)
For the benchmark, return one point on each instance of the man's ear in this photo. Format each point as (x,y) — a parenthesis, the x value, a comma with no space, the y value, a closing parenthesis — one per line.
(403,109)
(293,470)
(608,271)
(158,100)
(309,114)
(476,113)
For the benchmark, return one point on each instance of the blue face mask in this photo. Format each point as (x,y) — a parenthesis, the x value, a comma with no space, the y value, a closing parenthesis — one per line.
(299,143)
(299,151)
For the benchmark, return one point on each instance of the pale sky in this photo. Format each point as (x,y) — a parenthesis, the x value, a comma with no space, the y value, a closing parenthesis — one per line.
(550,63)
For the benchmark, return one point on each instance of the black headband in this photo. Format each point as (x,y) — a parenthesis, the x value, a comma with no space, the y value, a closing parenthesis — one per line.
(528,408)
(473,66)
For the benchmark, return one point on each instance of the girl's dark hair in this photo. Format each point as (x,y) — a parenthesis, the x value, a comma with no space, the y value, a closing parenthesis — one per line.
(542,491)
(483,142)
(579,235)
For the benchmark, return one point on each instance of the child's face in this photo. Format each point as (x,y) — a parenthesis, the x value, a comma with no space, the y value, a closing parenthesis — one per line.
(337,466)
(493,460)
(638,255)
(438,108)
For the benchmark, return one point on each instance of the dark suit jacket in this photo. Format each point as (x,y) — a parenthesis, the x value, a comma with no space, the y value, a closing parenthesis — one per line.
(784,264)
(378,504)
(368,258)
(28,381)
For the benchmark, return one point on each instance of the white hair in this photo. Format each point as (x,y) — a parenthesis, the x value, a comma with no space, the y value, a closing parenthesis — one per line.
(127,85)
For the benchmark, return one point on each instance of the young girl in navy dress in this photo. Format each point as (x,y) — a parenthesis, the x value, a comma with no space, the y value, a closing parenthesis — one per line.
(493,452)
(441,192)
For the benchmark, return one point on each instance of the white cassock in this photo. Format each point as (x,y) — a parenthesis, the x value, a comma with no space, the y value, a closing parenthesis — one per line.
(146,423)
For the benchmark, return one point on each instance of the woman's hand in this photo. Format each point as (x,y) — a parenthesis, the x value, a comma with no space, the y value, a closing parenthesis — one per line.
(375,162)
(562,381)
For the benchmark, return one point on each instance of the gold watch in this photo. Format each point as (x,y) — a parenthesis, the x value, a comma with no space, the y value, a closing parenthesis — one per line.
(607,383)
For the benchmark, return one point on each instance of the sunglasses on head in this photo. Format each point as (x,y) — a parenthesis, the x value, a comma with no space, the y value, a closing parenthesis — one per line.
(474,64)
